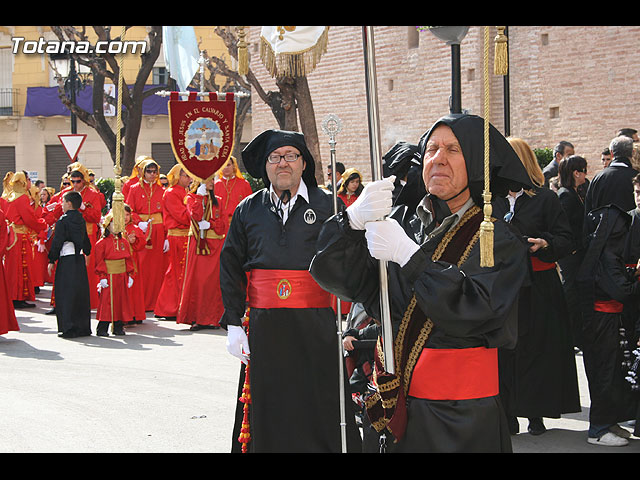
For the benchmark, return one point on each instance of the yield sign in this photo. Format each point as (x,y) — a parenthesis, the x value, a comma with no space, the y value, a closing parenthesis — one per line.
(72,144)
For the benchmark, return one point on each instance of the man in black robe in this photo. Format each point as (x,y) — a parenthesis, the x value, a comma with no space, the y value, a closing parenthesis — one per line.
(69,246)
(607,285)
(613,184)
(292,345)
(449,313)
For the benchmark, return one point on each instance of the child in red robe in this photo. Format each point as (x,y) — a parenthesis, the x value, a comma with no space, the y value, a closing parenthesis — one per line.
(114,268)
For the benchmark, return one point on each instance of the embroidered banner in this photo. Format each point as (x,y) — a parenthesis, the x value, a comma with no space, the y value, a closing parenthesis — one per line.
(292,51)
(202,132)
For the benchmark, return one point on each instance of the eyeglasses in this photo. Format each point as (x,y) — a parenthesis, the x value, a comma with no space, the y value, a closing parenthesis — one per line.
(584,170)
(76,181)
(153,172)
(289,157)
(66,184)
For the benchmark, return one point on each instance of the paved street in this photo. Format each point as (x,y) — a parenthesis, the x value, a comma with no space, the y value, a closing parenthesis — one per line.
(160,388)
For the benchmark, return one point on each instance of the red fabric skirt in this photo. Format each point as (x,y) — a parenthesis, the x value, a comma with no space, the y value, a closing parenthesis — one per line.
(171,290)
(201,301)
(114,300)
(8,321)
(152,266)
(18,262)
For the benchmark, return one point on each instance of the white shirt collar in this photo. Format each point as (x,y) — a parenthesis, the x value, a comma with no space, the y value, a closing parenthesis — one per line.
(286,207)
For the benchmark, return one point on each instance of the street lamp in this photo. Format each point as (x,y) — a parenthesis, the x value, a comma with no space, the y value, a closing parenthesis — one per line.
(453,36)
(74,79)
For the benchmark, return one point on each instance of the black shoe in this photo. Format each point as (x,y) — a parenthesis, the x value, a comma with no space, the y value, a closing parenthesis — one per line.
(51,312)
(23,304)
(536,427)
(101,333)
(195,327)
(36,289)
(67,335)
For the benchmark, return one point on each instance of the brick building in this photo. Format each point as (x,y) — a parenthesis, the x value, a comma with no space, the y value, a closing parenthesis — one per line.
(575,83)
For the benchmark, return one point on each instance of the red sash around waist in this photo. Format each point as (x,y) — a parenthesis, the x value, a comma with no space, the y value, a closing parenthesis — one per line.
(285,289)
(455,374)
(608,306)
(539,266)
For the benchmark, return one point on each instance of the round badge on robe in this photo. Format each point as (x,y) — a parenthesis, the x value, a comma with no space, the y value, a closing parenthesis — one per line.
(283,289)
(310,216)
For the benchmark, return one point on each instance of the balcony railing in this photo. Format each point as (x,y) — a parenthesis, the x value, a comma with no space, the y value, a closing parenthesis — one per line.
(9,102)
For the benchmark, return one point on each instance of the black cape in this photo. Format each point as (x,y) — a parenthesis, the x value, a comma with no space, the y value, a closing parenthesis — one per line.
(541,380)
(71,283)
(295,401)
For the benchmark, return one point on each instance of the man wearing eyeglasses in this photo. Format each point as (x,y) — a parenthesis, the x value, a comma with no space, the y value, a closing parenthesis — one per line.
(290,339)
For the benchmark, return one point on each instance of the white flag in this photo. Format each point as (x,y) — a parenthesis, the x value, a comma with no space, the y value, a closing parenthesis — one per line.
(181,54)
(292,51)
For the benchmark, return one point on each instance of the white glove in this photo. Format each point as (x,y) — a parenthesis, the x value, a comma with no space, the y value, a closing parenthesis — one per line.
(83,206)
(165,247)
(130,282)
(388,241)
(374,203)
(143,226)
(238,343)
(40,246)
(202,189)
(102,284)
(204,225)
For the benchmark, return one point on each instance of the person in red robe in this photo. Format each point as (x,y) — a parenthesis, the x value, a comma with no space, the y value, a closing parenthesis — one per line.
(115,271)
(134,178)
(137,242)
(23,221)
(201,302)
(145,200)
(231,186)
(8,321)
(177,223)
(40,251)
(91,212)
(351,186)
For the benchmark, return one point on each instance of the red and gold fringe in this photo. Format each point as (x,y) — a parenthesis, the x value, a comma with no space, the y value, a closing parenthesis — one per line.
(245,398)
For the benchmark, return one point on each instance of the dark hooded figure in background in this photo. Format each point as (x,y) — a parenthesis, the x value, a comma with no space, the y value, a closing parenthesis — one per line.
(606,285)
(449,314)
(290,339)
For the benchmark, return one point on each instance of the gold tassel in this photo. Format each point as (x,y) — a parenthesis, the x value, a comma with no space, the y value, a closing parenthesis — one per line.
(243,54)
(501,63)
(486,233)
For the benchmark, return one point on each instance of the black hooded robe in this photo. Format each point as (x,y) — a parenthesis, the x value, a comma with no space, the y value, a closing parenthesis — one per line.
(543,379)
(470,306)
(605,282)
(73,307)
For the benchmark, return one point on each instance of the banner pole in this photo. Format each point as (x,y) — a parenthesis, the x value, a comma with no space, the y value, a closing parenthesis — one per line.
(376,168)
